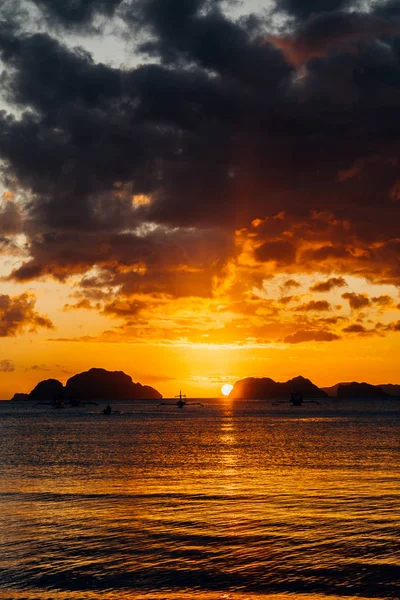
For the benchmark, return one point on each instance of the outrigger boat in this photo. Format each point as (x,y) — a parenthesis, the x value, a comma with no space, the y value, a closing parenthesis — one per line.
(296,399)
(109,411)
(181,403)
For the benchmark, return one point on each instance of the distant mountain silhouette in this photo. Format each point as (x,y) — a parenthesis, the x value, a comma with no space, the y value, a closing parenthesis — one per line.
(361,390)
(332,390)
(46,390)
(354,389)
(264,387)
(99,384)
(390,388)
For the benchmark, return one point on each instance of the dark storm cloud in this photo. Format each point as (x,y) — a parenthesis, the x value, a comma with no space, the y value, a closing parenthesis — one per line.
(391,8)
(280,251)
(302,9)
(326,32)
(10,219)
(211,40)
(73,13)
(220,130)
(180,264)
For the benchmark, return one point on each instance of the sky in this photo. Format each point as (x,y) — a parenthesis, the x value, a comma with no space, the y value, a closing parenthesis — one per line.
(196,191)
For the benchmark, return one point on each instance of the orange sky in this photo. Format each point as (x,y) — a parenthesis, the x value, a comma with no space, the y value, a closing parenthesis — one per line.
(251,325)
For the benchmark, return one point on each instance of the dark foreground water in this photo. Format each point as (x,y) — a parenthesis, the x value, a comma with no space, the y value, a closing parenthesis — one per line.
(236,500)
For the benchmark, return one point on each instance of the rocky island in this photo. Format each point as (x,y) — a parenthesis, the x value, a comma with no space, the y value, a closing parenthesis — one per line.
(92,385)
(261,388)
(355,389)
(99,384)
(265,388)
(361,390)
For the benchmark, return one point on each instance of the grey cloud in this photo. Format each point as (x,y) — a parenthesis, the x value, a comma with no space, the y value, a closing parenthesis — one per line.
(302,9)
(220,130)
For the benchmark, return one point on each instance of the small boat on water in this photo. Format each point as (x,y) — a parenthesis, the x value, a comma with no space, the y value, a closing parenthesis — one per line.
(109,411)
(180,403)
(296,399)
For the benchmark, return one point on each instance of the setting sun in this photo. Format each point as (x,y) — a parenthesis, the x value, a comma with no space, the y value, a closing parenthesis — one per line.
(226,389)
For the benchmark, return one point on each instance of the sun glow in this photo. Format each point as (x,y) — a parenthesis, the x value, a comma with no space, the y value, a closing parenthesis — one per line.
(226,389)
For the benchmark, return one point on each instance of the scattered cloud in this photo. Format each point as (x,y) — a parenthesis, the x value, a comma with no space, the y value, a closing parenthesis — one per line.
(234,157)
(357,301)
(17,313)
(317,305)
(290,283)
(328,285)
(383,301)
(310,335)
(7,366)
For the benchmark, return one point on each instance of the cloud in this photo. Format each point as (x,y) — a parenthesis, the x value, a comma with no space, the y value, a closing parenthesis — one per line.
(17,313)
(317,305)
(357,301)
(310,335)
(288,299)
(280,251)
(330,284)
(38,368)
(81,304)
(233,154)
(76,13)
(331,32)
(383,301)
(124,308)
(290,283)
(10,218)
(303,9)
(7,366)
(355,328)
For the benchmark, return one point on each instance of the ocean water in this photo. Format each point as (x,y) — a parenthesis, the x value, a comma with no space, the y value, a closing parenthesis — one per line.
(238,500)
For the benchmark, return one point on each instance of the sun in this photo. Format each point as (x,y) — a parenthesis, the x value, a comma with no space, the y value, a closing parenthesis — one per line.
(226,389)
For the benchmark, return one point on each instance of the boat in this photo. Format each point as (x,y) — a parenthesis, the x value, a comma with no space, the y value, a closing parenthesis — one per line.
(181,402)
(296,398)
(109,411)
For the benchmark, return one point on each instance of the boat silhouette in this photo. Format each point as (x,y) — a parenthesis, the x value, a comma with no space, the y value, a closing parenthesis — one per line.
(296,399)
(181,403)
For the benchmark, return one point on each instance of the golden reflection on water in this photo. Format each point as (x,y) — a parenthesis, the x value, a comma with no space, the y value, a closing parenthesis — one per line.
(175,595)
(229,454)
(217,497)
(227,441)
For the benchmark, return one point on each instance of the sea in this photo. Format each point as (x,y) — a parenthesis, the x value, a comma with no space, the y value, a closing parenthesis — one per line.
(233,500)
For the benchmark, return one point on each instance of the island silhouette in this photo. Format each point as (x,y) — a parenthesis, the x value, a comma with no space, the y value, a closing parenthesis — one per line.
(93,385)
(99,384)
(266,388)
